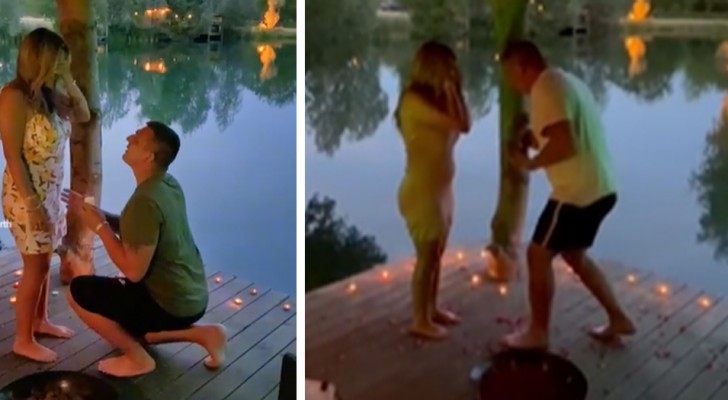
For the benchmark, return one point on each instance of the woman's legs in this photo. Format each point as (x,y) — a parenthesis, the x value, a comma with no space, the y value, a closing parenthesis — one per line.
(35,272)
(439,315)
(428,261)
(41,324)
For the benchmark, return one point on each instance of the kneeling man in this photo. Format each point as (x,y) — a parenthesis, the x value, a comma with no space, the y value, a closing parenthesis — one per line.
(164,290)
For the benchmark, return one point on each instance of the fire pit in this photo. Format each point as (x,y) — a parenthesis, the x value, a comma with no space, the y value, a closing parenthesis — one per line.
(526,375)
(59,385)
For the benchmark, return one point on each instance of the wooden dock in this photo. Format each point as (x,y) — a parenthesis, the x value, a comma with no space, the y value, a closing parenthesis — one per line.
(260,331)
(356,335)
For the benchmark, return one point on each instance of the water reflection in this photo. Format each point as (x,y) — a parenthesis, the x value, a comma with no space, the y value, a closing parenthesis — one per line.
(710,182)
(237,162)
(650,90)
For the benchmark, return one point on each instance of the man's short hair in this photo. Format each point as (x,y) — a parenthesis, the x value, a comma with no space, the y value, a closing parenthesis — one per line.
(524,51)
(167,142)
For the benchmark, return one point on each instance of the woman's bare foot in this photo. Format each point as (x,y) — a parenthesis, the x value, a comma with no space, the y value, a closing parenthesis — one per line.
(128,365)
(50,329)
(614,330)
(35,351)
(429,331)
(445,317)
(528,339)
(214,341)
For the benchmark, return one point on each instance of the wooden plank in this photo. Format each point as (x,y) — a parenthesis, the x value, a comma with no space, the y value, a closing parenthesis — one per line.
(249,333)
(696,325)
(264,381)
(701,356)
(699,374)
(722,393)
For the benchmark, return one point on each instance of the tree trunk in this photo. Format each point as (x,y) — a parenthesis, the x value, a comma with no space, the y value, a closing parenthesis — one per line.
(77,28)
(509,18)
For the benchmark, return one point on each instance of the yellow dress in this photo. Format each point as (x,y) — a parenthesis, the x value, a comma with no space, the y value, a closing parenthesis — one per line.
(43,149)
(425,193)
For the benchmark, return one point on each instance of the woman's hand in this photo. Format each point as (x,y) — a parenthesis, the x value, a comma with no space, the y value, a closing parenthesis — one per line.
(38,218)
(91,216)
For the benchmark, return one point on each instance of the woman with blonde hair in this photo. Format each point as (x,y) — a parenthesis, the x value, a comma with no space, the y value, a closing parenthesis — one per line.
(35,109)
(431,116)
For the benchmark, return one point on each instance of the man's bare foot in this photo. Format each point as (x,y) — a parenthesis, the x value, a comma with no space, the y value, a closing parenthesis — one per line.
(445,317)
(127,366)
(429,331)
(35,351)
(526,340)
(214,341)
(613,331)
(50,329)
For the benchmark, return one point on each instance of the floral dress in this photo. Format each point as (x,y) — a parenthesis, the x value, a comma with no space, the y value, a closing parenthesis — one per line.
(44,148)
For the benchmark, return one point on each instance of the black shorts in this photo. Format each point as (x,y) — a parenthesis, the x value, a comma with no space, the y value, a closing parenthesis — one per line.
(127,303)
(563,227)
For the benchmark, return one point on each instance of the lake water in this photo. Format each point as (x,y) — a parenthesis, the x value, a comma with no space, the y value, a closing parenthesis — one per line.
(666,129)
(237,162)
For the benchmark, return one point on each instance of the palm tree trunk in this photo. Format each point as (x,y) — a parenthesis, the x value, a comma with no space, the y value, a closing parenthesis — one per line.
(77,27)
(508,16)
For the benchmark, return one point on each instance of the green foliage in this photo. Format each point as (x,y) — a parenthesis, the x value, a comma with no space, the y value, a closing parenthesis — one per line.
(335,249)
(438,19)
(711,184)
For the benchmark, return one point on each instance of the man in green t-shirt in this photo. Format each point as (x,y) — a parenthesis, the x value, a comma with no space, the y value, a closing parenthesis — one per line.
(164,290)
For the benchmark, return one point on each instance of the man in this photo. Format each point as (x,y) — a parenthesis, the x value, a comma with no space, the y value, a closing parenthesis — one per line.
(567,131)
(164,291)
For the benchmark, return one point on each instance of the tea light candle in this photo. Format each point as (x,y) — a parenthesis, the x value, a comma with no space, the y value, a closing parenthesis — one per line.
(663,289)
(218,279)
(286,307)
(15,285)
(631,278)
(254,291)
(351,288)
(238,301)
(19,272)
(503,290)
(475,279)
(384,274)
(13,299)
(704,302)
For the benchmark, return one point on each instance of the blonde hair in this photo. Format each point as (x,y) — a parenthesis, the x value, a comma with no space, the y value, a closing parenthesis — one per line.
(38,56)
(434,65)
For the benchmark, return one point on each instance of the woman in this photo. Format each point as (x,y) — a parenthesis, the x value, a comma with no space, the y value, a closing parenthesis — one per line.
(35,109)
(430,116)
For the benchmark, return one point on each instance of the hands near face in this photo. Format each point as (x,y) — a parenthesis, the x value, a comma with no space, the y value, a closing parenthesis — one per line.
(91,215)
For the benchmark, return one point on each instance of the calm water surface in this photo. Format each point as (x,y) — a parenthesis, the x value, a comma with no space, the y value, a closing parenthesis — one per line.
(237,163)
(666,128)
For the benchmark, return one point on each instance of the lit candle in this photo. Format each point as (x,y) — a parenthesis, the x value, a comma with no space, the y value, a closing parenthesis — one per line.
(503,290)
(254,291)
(351,288)
(460,255)
(13,300)
(218,279)
(631,278)
(16,284)
(54,293)
(286,307)
(704,302)
(385,274)
(475,279)
(19,272)
(663,289)
(238,301)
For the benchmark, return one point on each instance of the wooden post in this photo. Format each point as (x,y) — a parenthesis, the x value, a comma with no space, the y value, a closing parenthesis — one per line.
(77,27)
(509,18)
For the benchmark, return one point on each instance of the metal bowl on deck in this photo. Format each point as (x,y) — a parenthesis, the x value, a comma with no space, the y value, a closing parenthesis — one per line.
(59,385)
(528,375)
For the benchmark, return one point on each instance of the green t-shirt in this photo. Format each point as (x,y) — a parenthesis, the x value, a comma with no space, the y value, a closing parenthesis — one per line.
(156,212)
